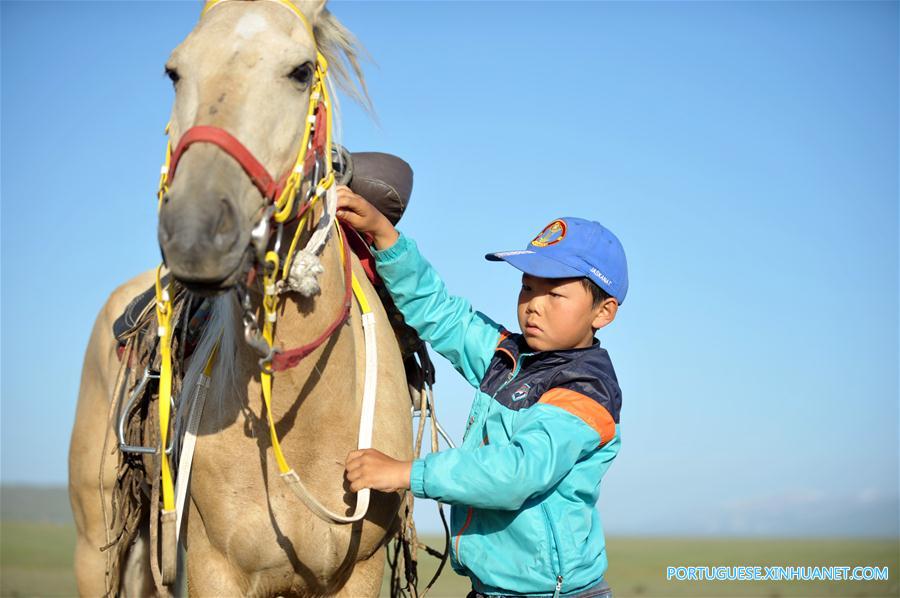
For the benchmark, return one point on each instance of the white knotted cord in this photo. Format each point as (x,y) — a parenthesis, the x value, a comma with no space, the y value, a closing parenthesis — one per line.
(306,265)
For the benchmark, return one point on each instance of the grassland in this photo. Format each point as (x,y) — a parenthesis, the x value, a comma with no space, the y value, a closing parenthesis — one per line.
(36,560)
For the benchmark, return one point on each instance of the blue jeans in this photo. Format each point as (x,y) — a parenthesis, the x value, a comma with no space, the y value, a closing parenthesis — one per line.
(601,590)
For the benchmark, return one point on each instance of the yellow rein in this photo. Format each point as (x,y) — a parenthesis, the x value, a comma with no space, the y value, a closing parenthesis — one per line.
(284,207)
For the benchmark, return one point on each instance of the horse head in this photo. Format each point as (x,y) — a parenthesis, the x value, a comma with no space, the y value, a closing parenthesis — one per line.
(237,126)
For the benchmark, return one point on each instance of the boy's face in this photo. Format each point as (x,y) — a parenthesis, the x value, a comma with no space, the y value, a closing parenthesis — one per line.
(558,313)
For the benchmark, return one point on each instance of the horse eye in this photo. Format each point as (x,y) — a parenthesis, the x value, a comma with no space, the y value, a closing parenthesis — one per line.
(173,75)
(302,74)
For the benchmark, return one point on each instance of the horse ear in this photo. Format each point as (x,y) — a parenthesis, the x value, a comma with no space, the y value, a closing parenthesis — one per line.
(312,9)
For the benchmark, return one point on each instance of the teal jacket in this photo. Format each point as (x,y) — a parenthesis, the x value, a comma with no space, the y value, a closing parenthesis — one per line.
(542,431)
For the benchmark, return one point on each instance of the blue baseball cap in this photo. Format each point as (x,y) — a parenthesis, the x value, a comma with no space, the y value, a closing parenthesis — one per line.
(573,247)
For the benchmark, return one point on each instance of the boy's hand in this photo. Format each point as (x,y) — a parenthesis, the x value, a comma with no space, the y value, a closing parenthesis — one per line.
(369,468)
(364,217)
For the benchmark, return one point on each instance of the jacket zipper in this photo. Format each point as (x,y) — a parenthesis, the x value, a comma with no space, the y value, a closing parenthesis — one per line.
(461,530)
(514,373)
(469,513)
(559,563)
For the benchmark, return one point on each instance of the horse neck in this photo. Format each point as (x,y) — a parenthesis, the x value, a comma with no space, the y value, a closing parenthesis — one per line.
(319,392)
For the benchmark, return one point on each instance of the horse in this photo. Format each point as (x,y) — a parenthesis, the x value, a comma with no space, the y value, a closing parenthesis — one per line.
(246,68)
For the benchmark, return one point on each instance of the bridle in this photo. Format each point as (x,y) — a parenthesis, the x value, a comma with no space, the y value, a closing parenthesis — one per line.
(279,194)
(314,159)
(281,191)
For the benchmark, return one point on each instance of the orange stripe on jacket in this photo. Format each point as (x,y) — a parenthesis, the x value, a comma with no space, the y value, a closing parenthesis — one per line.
(503,334)
(593,413)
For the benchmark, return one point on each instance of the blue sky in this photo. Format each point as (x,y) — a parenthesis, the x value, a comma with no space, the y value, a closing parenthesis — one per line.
(746,154)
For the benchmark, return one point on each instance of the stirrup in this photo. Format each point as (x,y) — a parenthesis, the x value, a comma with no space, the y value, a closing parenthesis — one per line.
(124,413)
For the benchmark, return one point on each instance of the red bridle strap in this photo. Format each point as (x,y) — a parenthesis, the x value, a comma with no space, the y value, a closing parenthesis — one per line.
(234,148)
(288,358)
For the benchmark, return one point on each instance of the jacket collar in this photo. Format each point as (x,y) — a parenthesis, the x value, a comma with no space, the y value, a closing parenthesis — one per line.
(515,346)
(593,361)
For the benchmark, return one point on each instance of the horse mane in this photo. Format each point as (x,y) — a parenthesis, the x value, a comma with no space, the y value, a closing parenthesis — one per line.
(343,52)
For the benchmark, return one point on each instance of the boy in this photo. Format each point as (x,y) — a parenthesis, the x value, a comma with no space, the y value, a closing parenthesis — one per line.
(543,428)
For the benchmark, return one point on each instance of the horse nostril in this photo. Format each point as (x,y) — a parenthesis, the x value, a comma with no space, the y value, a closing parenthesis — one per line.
(226,232)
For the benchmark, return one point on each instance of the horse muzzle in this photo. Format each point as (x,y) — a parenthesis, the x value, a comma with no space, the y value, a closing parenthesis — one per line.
(204,242)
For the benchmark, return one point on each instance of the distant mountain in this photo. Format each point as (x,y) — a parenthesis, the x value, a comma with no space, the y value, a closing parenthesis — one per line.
(45,504)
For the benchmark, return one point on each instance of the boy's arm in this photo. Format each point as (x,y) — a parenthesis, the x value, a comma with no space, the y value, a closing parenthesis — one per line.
(448,323)
(467,338)
(553,435)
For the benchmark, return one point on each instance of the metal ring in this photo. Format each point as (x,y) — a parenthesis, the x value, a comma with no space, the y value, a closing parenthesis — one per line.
(265,363)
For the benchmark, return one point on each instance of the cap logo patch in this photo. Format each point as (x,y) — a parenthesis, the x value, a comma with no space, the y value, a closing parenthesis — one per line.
(552,234)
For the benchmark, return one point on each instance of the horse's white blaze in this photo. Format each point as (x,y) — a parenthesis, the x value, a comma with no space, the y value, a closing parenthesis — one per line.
(249,25)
